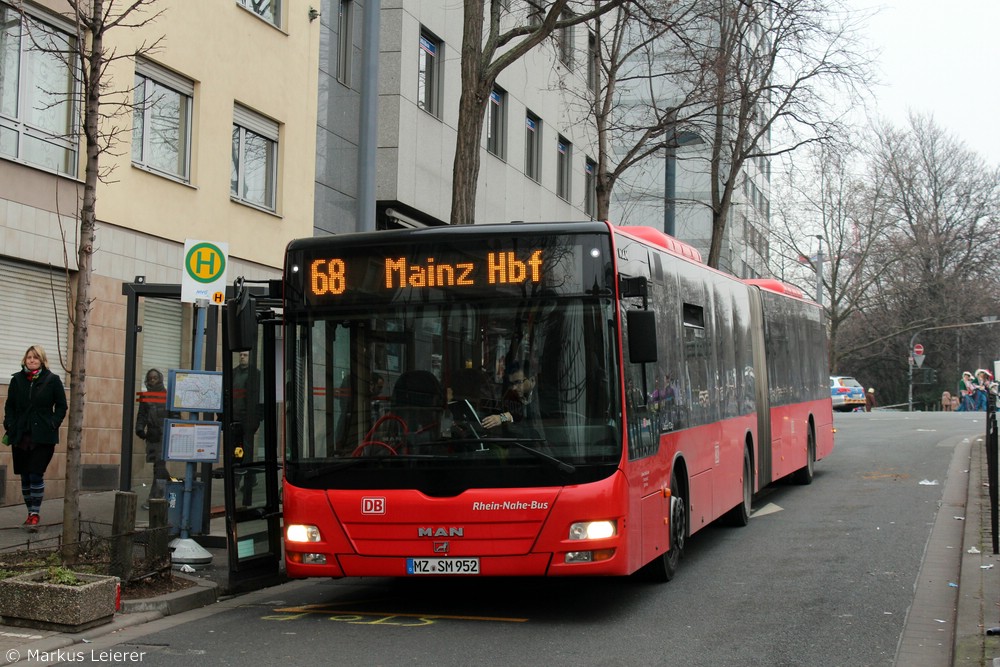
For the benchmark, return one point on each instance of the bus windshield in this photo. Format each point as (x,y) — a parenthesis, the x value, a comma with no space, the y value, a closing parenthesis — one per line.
(449,396)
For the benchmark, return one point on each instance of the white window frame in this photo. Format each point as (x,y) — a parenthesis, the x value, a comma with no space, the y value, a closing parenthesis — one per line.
(251,127)
(536,13)
(24,126)
(150,76)
(268,11)
(564,37)
(590,187)
(345,46)
(496,123)
(593,75)
(564,164)
(429,74)
(533,146)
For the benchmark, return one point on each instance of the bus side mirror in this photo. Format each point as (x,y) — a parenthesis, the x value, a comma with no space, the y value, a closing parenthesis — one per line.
(242,320)
(641,336)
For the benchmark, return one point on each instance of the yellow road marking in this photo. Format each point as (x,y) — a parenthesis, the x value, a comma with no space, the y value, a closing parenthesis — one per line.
(885,475)
(328,609)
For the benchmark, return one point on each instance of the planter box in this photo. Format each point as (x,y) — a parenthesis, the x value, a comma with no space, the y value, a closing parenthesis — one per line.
(30,601)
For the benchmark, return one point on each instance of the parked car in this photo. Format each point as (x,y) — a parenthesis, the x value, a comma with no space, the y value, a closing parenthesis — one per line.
(846,393)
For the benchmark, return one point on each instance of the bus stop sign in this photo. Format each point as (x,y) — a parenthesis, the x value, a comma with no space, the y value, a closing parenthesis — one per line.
(204,274)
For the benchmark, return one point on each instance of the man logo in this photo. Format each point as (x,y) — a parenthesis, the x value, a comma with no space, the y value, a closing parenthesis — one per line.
(373,505)
(452,531)
(441,547)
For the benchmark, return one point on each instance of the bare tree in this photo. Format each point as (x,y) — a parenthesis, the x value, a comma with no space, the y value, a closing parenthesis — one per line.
(774,70)
(490,44)
(940,202)
(635,102)
(106,112)
(832,200)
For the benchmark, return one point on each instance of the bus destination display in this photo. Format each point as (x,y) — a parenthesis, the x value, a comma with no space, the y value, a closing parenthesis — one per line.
(332,276)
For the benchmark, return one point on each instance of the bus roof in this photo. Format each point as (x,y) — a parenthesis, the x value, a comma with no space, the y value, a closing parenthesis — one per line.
(467,231)
(776,286)
(655,237)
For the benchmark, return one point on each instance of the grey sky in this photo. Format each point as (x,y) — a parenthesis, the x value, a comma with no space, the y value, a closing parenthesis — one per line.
(940,58)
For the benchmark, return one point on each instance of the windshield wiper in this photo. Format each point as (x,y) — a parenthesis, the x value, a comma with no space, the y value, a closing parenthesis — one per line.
(517,442)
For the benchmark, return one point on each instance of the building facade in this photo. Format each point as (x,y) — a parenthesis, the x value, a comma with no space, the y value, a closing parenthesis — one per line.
(536,144)
(266,92)
(219,147)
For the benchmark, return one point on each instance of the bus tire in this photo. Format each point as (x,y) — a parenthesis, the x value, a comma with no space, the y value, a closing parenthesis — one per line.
(804,475)
(664,567)
(739,516)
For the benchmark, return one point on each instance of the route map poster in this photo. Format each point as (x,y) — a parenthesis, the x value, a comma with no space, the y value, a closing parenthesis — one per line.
(194,391)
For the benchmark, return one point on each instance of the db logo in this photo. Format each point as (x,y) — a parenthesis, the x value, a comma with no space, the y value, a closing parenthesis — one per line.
(373,505)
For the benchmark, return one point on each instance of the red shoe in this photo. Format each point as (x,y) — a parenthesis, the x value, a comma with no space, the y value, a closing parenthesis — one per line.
(31,523)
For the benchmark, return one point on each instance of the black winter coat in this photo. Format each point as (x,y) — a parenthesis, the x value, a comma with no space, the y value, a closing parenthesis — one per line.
(35,408)
(149,421)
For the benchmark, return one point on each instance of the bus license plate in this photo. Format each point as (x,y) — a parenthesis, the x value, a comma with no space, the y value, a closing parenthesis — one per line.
(442,566)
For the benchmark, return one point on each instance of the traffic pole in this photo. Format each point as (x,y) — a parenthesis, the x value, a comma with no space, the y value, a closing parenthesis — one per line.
(991,462)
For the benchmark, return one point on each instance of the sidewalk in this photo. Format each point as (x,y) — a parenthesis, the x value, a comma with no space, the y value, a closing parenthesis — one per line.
(957,590)
(979,600)
(96,512)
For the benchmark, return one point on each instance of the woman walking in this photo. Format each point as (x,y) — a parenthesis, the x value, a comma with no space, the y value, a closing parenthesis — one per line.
(35,407)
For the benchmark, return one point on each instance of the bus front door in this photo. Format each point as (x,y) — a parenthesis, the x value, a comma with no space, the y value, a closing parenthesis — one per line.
(251,469)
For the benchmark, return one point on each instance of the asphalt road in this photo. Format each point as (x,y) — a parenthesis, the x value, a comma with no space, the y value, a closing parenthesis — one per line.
(823,575)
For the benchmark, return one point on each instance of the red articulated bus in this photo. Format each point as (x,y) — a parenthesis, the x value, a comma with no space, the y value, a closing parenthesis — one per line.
(557,399)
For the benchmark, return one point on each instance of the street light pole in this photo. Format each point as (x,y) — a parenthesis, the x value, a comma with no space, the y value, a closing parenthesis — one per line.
(819,271)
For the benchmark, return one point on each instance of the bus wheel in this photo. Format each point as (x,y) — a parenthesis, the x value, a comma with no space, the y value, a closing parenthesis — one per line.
(678,528)
(664,567)
(804,475)
(739,516)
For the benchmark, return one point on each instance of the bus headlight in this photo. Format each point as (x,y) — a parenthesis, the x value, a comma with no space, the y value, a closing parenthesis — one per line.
(592,530)
(302,533)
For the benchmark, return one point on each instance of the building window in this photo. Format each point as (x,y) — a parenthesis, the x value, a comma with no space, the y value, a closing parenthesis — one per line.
(590,184)
(44,323)
(38,107)
(564,159)
(254,175)
(532,146)
(161,120)
(564,38)
(345,23)
(536,13)
(496,123)
(593,77)
(269,10)
(428,73)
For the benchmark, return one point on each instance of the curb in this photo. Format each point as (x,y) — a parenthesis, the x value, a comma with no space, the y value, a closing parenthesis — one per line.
(53,644)
(131,614)
(203,593)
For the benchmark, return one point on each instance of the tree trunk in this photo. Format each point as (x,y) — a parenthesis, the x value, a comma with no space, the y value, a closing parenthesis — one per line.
(471,114)
(93,62)
(465,173)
